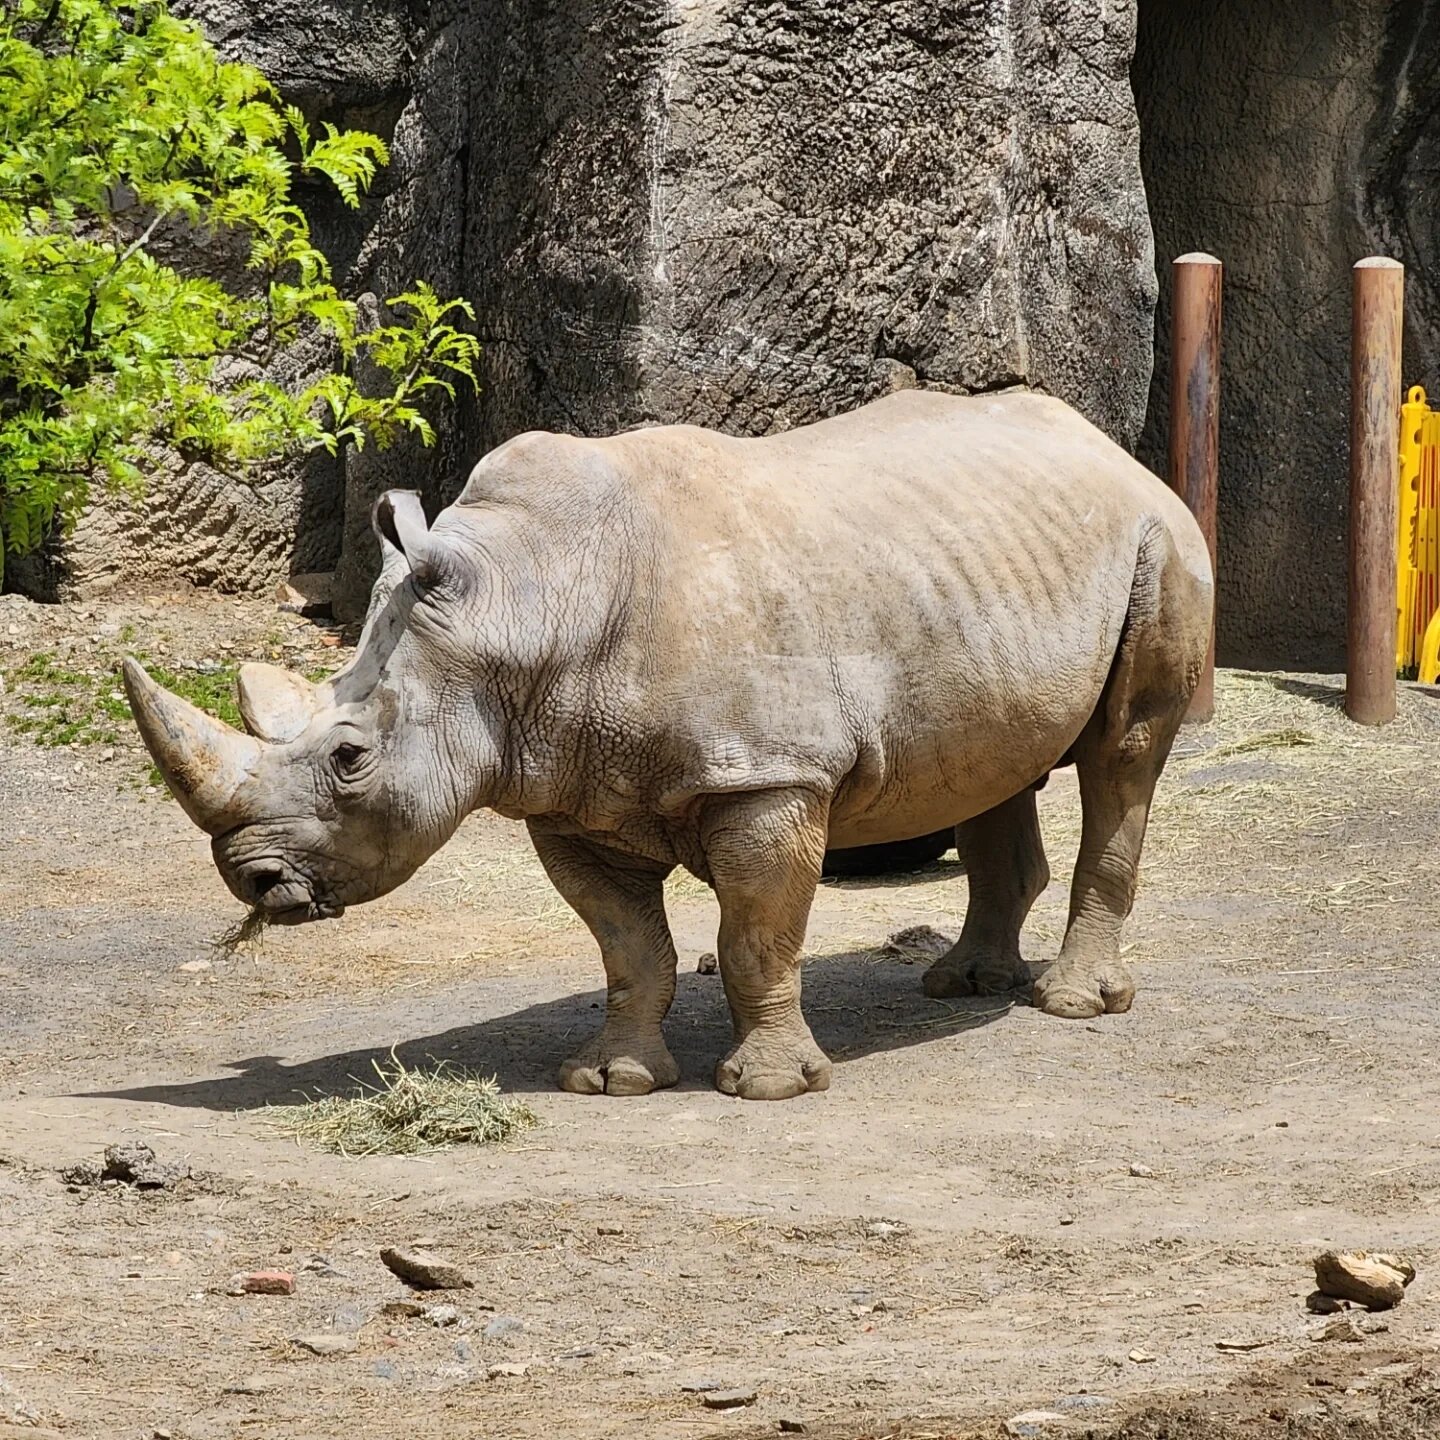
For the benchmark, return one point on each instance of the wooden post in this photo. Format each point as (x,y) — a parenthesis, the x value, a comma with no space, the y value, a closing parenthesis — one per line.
(1195,417)
(1375,399)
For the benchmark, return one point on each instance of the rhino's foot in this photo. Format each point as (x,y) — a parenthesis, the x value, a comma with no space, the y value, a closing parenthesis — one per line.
(774,1064)
(985,972)
(620,1065)
(1077,992)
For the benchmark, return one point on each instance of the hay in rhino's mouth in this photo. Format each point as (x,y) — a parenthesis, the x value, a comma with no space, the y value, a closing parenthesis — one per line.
(244,931)
(258,919)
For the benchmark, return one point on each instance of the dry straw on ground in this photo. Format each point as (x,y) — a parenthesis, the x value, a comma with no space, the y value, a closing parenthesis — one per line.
(1283,766)
(408,1113)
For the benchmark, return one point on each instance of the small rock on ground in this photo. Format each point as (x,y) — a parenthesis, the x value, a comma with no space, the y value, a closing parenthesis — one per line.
(916,943)
(326,1344)
(1033,1422)
(1349,1327)
(423,1270)
(262,1282)
(506,1372)
(884,1229)
(133,1163)
(728,1399)
(504,1327)
(792,1427)
(1366,1279)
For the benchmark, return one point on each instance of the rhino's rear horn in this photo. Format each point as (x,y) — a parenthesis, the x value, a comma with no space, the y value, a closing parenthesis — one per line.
(275,704)
(203,761)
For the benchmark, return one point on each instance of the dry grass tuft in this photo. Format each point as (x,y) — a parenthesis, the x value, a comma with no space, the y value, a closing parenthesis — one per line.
(409,1112)
(1267,740)
(1283,777)
(245,931)
(1317,769)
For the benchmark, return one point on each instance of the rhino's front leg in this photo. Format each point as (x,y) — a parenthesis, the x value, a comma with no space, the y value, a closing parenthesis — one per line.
(764,853)
(621,900)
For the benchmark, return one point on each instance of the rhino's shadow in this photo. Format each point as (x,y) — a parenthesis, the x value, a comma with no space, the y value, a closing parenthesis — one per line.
(857,1005)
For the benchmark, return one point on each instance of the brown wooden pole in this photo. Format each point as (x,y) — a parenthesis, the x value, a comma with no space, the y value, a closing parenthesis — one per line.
(1195,417)
(1375,399)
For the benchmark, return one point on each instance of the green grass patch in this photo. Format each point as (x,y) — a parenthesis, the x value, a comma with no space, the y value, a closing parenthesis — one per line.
(57,704)
(213,692)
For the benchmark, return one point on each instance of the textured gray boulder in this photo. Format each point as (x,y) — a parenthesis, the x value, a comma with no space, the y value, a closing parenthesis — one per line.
(751,215)
(746,215)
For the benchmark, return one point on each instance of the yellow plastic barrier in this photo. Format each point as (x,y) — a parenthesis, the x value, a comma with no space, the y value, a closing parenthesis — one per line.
(1417,631)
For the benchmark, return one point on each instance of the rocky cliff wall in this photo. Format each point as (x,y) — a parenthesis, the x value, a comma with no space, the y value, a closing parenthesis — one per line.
(742,214)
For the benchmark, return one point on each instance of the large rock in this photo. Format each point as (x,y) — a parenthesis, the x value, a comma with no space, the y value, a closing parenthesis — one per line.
(743,214)
(751,215)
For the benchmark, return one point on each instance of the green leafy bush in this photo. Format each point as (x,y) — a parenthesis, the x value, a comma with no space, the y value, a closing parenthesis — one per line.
(121,129)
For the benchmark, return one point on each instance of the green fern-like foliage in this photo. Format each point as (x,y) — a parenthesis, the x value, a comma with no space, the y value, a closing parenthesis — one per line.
(121,128)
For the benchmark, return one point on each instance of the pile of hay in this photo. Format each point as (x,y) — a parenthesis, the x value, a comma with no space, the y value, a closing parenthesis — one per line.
(408,1113)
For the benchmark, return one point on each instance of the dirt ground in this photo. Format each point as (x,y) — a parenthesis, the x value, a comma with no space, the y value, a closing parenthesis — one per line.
(951,1236)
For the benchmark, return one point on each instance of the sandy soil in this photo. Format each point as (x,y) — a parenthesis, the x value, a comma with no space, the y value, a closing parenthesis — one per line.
(952,1235)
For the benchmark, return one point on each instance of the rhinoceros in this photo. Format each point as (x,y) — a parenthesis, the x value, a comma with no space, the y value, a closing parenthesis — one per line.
(676,648)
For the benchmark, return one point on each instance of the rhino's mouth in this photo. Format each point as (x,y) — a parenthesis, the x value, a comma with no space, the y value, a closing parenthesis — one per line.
(294,902)
(259,918)
(303,913)
(279,895)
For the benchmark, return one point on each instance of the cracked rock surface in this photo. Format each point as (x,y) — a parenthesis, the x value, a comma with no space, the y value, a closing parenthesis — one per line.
(742,215)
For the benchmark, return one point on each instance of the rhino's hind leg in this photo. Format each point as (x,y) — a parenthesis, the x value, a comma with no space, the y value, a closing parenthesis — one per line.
(621,900)
(1005,861)
(764,853)
(1119,757)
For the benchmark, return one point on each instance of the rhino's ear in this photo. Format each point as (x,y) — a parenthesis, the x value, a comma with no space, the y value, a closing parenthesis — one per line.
(275,704)
(399,520)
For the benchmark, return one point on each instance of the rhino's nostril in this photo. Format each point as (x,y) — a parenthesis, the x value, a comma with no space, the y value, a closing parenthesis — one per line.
(259,882)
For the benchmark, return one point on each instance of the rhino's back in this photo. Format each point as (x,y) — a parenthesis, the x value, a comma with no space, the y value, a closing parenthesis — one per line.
(920,507)
(907,472)
(912,458)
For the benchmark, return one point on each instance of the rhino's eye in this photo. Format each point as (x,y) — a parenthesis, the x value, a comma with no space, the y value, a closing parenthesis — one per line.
(346,759)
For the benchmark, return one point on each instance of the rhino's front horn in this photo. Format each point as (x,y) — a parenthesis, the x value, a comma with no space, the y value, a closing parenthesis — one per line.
(203,760)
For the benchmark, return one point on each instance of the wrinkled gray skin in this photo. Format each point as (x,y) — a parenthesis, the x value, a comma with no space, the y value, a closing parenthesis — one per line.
(673,648)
